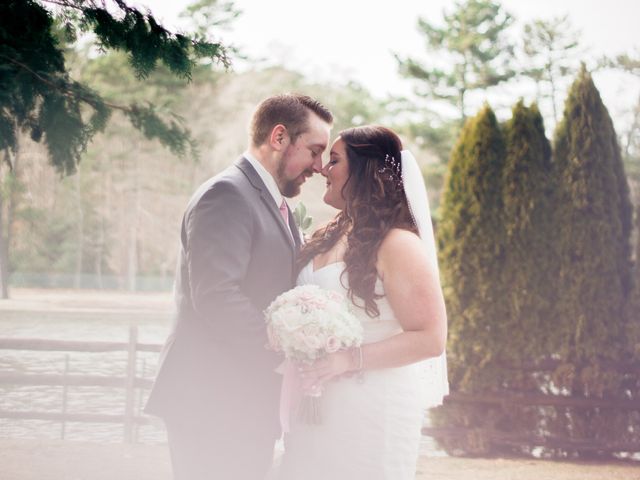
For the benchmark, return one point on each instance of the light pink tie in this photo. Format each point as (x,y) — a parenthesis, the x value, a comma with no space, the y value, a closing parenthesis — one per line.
(284,211)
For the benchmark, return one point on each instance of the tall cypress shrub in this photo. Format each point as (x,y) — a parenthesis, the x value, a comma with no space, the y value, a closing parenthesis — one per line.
(493,336)
(535,259)
(594,225)
(531,255)
(595,276)
(471,237)
(471,245)
(633,310)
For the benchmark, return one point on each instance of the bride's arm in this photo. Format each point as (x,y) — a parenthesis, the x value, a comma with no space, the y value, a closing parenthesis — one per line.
(413,289)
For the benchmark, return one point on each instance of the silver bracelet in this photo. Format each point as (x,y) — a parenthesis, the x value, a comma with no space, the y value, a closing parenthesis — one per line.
(357,361)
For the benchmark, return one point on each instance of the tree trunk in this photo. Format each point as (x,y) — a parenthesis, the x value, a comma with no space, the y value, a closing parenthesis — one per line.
(4,252)
(461,94)
(633,130)
(77,279)
(8,194)
(552,83)
(105,218)
(132,267)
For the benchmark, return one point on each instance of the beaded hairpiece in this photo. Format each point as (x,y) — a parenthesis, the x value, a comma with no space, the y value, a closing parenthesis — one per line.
(392,168)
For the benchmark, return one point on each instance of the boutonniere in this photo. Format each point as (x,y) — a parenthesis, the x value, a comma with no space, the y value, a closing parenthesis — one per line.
(300,217)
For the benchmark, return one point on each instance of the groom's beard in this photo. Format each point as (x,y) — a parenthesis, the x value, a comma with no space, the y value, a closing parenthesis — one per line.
(290,188)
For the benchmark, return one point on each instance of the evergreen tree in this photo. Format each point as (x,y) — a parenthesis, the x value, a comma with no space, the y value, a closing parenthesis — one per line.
(554,288)
(471,236)
(531,259)
(476,53)
(550,50)
(594,226)
(630,138)
(633,310)
(595,279)
(39,95)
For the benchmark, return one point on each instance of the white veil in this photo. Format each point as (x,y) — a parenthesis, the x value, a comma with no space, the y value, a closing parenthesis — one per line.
(433,370)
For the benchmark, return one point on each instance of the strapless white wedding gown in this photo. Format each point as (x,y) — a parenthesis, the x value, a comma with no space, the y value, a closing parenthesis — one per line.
(371,426)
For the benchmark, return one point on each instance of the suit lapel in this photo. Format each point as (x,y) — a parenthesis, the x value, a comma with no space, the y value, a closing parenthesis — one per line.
(255,180)
(294,230)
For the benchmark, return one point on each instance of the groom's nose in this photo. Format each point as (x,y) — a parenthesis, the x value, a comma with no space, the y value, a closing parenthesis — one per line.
(317,165)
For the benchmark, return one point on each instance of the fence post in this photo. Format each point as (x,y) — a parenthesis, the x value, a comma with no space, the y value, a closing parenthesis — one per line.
(143,374)
(130,385)
(65,388)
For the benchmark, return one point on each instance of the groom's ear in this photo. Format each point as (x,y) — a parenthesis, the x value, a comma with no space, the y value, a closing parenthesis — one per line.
(279,138)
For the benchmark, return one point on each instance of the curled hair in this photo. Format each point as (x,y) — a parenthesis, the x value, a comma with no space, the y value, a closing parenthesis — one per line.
(375,203)
(289,109)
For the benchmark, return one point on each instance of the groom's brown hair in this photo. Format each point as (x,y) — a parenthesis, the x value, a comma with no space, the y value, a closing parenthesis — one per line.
(289,109)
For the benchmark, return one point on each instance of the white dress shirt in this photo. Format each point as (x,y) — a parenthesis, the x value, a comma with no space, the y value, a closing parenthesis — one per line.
(268,180)
(266,177)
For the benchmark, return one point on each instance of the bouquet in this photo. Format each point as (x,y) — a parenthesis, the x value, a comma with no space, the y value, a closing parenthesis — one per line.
(306,323)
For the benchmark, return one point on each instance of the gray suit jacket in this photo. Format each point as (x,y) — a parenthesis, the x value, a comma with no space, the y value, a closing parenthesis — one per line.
(236,256)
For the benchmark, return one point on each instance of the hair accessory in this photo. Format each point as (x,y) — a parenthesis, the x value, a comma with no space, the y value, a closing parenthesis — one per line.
(393,169)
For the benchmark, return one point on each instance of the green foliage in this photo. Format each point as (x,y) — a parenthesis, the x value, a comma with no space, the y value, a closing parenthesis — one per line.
(633,310)
(430,131)
(172,133)
(38,94)
(532,257)
(303,221)
(625,62)
(132,191)
(471,238)
(146,41)
(351,104)
(594,282)
(630,139)
(475,49)
(594,228)
(536,269)
(206,14)
(550,47)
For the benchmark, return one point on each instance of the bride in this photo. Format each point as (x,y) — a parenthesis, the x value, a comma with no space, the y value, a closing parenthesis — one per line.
(379,251)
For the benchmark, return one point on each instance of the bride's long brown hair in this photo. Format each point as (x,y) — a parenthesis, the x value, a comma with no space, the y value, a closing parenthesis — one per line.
(375,203)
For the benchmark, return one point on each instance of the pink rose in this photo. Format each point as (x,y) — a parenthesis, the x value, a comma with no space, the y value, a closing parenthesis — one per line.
(332,344)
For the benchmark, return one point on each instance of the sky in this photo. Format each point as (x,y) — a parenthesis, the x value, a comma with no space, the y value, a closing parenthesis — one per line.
(354,40)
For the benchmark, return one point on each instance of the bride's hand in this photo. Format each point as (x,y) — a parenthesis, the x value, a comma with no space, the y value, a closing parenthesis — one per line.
(324,369)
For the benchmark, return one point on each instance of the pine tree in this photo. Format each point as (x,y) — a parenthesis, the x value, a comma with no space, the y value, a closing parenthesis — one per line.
(476,51)
(550,48)
(39,95)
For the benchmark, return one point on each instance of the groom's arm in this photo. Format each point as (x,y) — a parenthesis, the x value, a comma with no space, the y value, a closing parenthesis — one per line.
(219,233)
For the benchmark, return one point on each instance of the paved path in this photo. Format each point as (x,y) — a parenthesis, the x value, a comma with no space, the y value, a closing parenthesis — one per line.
(66,460)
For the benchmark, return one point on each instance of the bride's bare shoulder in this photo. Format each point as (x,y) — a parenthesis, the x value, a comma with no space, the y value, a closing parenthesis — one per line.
(400,238)
(398,246)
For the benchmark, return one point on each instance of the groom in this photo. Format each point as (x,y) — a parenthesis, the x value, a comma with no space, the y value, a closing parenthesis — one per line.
(216,388)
